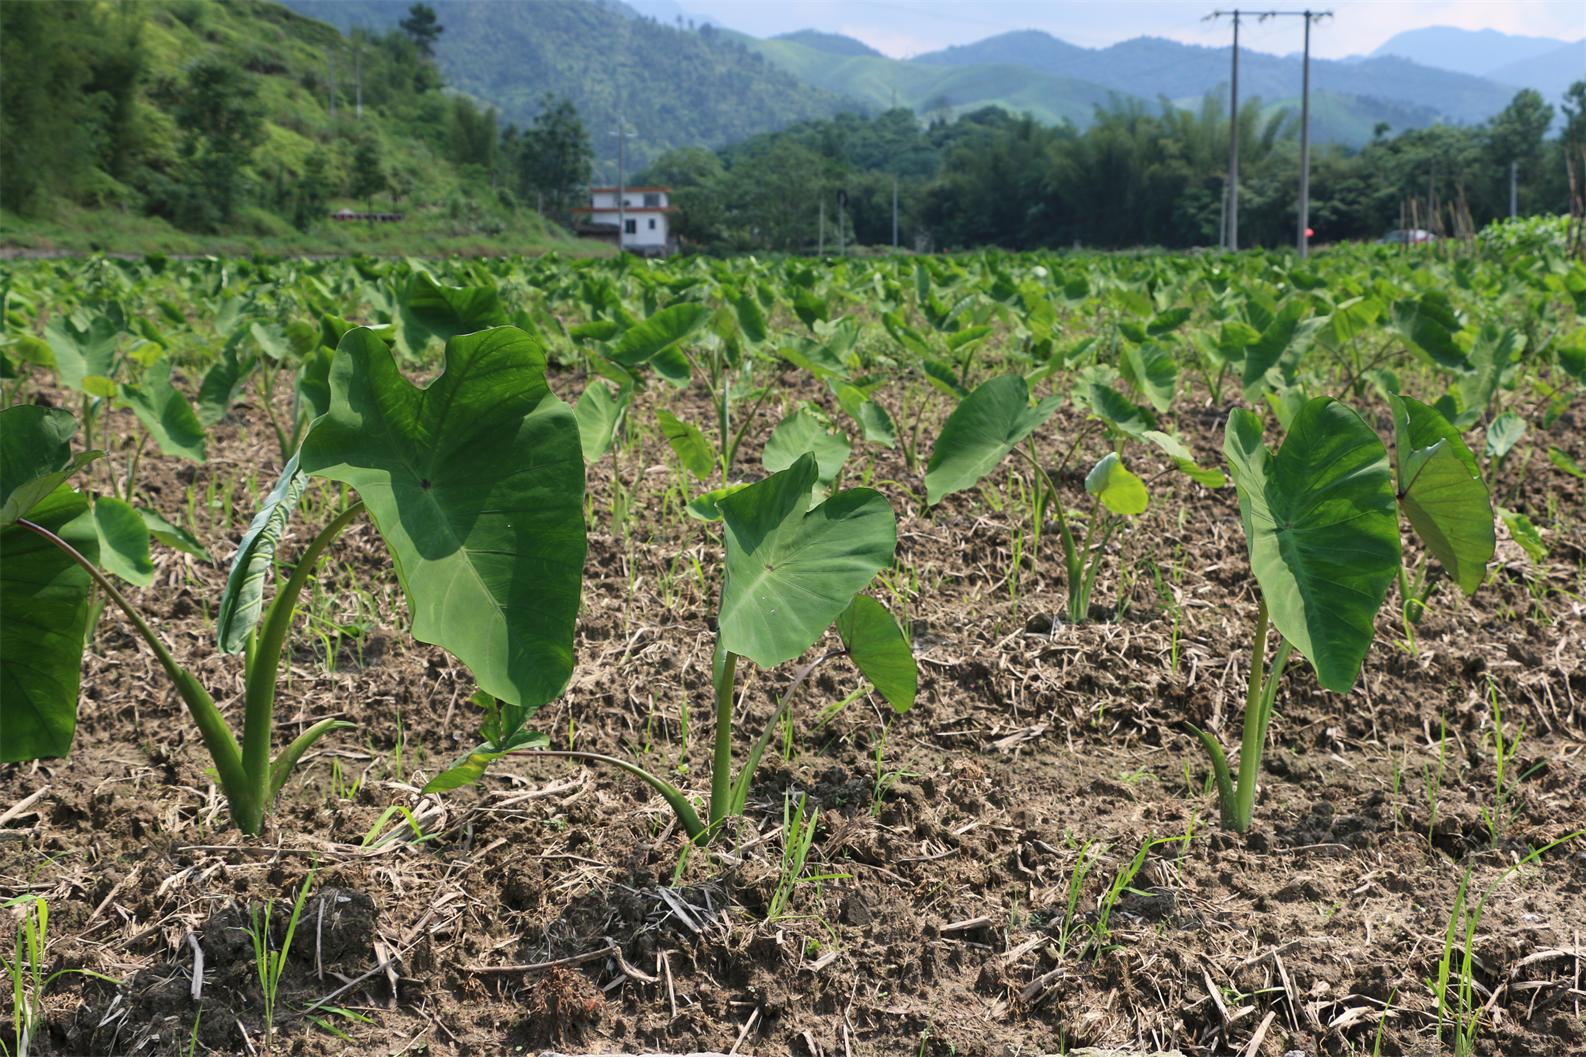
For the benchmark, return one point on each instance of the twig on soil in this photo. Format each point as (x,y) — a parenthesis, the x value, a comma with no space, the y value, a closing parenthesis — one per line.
(198,967)
(20,808)
(534,967)
(744,1031)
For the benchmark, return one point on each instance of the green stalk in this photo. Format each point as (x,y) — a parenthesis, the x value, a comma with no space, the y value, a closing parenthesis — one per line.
(264,664)
(697,830)
(218,739)
(1258,713)
(725,670)
(1071,562)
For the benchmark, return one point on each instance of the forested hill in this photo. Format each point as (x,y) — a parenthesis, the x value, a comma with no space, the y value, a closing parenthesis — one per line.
(676,86)
(171,122)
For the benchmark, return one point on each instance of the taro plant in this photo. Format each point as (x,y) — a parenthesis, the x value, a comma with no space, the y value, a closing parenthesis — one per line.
(1322,530)
(793,568)
(474,482)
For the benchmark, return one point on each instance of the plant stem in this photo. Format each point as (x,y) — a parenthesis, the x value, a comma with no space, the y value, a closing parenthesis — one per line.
(264,663)
(721,759)
(1258,713)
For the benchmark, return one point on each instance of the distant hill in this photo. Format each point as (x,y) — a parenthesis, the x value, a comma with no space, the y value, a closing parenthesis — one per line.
(1550,73)
(1150,67)
(832,43)
(676,87)
(1477,52)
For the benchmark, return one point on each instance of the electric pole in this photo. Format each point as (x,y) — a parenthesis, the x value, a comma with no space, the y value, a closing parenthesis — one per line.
(895,209)
(1514,181)
(1231,241)
(622,134)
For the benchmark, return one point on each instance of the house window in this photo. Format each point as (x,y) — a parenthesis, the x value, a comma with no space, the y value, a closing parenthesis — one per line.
(652,198)
(630,227)
(652,223)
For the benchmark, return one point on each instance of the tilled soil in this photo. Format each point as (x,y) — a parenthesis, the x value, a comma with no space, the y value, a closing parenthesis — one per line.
(966,905)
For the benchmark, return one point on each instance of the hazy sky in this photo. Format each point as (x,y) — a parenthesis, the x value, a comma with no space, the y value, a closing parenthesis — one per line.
(907,27)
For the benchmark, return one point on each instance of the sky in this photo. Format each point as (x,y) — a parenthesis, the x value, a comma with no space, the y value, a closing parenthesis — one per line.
(901,28)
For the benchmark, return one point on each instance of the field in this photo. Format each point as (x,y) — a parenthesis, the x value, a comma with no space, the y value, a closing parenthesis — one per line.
(1052,574)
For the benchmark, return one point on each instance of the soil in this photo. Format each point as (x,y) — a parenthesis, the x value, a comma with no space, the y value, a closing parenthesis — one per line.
(965,905)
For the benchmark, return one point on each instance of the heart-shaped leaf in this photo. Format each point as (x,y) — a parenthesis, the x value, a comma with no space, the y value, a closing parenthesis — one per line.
(430,310)
(1119,490)
(687,443)
(166,414)
(1263,353)
(1184,459)
(598,412)
(1322,528)
(880,651)
(173,536)
(802,432)
(791,571)
(1441,492)
(986,425)
(1503,433)
(35,456)
(43,617)
(123,541)
(476,482)
(1153,371)
(82,352)
(660,332)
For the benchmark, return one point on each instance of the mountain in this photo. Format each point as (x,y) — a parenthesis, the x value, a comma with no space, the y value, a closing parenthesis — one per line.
(1477,52)
(831,43)
(1551,72)
(1151,67)
(676,87)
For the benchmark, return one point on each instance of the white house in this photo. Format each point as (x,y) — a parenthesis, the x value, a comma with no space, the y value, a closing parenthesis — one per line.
(643,216)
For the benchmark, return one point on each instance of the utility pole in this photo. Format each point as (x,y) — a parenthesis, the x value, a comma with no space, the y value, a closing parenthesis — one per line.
(1514,189)
(622,134)
(1231,242)
(330,73)
(895,211)
(820,245)
(842,202)
(357,73)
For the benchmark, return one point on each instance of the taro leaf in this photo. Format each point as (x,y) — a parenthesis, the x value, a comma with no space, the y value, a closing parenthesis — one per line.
(1430,325)
(1184,459)
(905,335)
(1503,433)
(1441,491)
(598,413)
(243,598)
(1560,458)
(985,426)
(83,353)
(1525,534)
(432,310)
(166,414)
(1264,353)
(802,432)
(880,651)
(1167,322)
(1494,349)
(941,376)
(660,332)
(1322,529)
(790,573)
(1153,371)
(873,419)
(687,443)
(1113,408)
(312,385)
(751,318)
(707,505)
(224,379)
(272,340)
(173,536)
(503,732)
(595,330)
(35,456)
(43,618)
(476,482)
(1572,356)
(1119,490)
(123,541)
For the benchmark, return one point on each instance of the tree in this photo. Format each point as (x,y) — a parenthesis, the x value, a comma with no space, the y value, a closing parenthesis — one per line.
(218,112)
(368,175)
(312,192)
(555,158)
(423,28)
(1514,137)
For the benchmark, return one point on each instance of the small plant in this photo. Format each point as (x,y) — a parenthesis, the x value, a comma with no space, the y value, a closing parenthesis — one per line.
(798,837)
(1498,816)
(1432,780)
(27,971)
(270,965)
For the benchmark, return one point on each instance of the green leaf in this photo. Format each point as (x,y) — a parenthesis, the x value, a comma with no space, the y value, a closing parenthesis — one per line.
(172,536)
(878,648)
(1494,350)
(430,310)
(1184,459)
(83,352)
(874,421)
(166,414)
(751,318)
(1560,458)
(1112,407)
(43,619)
(1503,433)
(476,482)
(706,506)
(598,412)
(1264,353)
(802,432)
(35,456)
(986,425)
(218,390)
(123,541)
(243,598)
(470,768)
(1167,322)
(1153,371)
(1119,490)
(1429,324)
(688,444)
(791,573)
(1525,534)
(1322,528)
(1441,492)
(642,343)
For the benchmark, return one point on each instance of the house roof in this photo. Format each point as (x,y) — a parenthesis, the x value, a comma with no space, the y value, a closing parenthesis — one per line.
(628,190)
(627,209)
